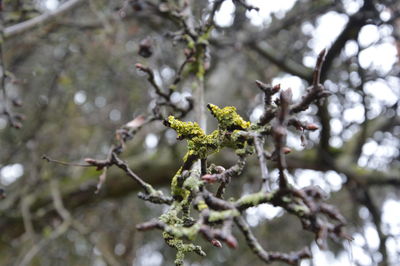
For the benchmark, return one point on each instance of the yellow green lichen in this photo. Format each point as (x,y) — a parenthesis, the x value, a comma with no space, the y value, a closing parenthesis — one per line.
(203,39)
(190,42)
(254,199)
(201,205)
(301,210)
(171,216)
(176,190)
(181,247)
(181,232)
(215,216)
(201,145)
(192,183)
(228,118)
(185,129)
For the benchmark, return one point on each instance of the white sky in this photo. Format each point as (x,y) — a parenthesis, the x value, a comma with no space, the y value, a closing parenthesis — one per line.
(51,4)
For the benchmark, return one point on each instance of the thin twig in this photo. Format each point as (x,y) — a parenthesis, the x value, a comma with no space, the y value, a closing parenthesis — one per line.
(47,158)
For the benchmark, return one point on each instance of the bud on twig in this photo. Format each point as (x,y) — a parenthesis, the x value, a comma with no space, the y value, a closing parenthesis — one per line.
(311,127)
(216,243)
(286,150)
(209,178)
(231,241)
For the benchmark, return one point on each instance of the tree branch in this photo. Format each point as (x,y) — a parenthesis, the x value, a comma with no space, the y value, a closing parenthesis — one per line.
(286,64)
(25,26)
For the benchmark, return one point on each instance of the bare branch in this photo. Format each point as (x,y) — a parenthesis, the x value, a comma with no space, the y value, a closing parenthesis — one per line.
(49,16)
(292,258)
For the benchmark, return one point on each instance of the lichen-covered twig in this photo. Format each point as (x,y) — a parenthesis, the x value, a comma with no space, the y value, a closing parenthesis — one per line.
(216,216)
(235,133)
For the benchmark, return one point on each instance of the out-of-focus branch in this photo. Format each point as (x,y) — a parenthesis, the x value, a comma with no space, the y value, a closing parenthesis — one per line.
(283,62)
(293,258)
(362,195)
(350,147)
(152,81)
(68,221)
(60,230)
(49,16)
(13,119)
(215,7)
(316,91)
(27,216)
(350,32)
(81,191)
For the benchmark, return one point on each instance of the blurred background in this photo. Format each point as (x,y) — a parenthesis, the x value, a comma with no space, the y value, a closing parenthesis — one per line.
(75,76)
